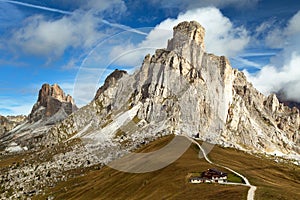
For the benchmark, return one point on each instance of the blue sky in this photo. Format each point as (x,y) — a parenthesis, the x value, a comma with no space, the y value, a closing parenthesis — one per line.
(76,43)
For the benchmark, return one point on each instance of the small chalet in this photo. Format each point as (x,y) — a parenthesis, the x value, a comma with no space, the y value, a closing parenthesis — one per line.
(210,176)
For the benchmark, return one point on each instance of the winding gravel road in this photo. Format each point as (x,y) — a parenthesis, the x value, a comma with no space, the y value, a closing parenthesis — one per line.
(251,191)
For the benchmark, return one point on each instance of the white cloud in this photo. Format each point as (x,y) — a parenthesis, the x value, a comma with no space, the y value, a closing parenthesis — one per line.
(127,55)
(294,25)
(87,83)
(275,39)
(271,79)
(196,3)
(52,37)
(222,37)
(284,37)
(228,40)
(283,72)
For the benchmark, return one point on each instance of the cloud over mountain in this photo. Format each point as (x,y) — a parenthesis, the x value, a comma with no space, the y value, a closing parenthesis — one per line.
(228,40)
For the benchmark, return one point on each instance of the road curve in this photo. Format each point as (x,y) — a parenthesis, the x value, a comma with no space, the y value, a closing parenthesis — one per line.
(251,191)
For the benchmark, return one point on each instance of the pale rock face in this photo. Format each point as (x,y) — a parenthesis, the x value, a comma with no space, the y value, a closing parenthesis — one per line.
(260,123)
(188,41)
(272,102)
(184,90)
(187,33)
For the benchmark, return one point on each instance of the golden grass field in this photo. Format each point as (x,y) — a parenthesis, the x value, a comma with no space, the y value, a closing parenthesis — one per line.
(274,180)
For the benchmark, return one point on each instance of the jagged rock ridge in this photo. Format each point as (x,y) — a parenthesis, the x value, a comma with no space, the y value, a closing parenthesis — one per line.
(183,89)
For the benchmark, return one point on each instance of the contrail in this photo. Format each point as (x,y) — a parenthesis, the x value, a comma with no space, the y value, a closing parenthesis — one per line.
(123,27)
(120,26)
(37,7)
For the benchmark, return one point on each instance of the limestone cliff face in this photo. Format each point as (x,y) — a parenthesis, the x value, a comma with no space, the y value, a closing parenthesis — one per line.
(183,89)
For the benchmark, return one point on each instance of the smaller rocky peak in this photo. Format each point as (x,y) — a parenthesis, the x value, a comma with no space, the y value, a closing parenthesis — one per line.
(50,100)
(53,91)
(224,61)
(3,124)
(272,102)
(110,81)
(69,98)
(58,93)
(186,33)
(225,66)
(147,59)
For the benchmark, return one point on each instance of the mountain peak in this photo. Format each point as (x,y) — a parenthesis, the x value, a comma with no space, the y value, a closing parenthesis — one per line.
(50,100)
(186,33)
(110,80)
(53,91)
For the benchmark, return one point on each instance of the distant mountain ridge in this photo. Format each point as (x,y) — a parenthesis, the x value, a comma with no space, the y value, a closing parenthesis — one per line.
(50,100)
(52,106)
(283,99)
(9,122)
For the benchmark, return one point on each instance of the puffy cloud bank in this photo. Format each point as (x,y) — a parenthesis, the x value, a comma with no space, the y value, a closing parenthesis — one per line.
(51,37)
(222,37)
(283,72)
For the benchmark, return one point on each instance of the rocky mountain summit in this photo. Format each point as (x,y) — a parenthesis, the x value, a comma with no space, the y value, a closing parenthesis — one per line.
(51,107)
(52,100)
(183,89)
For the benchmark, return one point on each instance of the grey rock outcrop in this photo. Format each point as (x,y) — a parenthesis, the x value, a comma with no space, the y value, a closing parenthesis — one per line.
(261,123)
(9,122)
(183,89)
